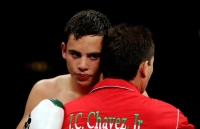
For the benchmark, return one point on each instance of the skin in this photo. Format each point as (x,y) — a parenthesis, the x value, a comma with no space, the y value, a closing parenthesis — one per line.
(82,58)
(143,75)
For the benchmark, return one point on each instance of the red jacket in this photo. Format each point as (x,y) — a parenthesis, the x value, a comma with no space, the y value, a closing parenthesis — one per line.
(117,104)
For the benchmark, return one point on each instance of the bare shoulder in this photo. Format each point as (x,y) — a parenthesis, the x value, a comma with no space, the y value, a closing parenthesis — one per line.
(47,88)
(43,85)
(44,89)
(51,83)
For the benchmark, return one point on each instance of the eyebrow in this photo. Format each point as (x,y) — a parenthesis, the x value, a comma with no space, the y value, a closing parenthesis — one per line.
(88,54)
(94,53)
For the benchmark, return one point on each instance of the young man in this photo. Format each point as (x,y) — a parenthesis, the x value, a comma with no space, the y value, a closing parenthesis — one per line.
(116,102)
(84,35)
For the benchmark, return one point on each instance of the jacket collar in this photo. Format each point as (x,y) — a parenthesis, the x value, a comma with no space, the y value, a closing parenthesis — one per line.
(114,83)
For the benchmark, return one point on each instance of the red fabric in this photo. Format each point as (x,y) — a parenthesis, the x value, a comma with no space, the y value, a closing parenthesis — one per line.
(115,104)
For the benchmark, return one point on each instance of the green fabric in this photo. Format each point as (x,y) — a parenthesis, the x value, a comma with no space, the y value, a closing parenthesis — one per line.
(57,102)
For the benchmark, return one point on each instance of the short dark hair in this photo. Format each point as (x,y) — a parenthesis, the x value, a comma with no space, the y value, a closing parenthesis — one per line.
(126,47)
(87,22)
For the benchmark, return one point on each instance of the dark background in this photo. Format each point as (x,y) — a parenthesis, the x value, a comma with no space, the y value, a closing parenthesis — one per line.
(34,31)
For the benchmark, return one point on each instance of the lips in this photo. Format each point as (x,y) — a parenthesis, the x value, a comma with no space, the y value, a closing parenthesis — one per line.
(82,77)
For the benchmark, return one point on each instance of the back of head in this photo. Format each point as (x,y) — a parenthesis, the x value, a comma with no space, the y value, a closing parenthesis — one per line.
(87,22)
(126,47)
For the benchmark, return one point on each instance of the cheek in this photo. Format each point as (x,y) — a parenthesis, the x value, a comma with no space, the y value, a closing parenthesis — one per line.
(69,59)
(95,65)
(70,63)
(150,72)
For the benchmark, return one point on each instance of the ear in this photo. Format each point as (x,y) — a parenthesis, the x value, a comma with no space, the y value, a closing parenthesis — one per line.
(143,68)
(63,49)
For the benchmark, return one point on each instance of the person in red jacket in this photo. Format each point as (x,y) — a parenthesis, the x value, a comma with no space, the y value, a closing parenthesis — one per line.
(117,102)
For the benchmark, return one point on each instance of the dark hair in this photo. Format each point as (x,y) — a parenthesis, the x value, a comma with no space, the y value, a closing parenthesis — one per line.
(126,47)
(87,22)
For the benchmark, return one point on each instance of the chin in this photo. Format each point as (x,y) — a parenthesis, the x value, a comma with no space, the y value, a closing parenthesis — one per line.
(84,83)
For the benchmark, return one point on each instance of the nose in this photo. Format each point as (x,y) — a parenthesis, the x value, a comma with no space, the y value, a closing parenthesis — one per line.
(82,65)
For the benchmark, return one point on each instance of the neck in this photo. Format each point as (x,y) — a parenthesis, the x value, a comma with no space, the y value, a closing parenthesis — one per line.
(136,83)
(82,88)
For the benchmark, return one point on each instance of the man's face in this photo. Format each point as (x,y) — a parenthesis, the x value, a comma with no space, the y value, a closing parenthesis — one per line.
(83,58)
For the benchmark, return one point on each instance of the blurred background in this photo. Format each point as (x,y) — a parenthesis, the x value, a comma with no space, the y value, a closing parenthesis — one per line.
(34,31)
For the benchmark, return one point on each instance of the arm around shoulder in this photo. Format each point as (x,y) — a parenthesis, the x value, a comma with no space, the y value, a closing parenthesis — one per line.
(36,95)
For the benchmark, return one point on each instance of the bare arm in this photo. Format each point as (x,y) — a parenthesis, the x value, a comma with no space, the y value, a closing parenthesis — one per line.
(35,96)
